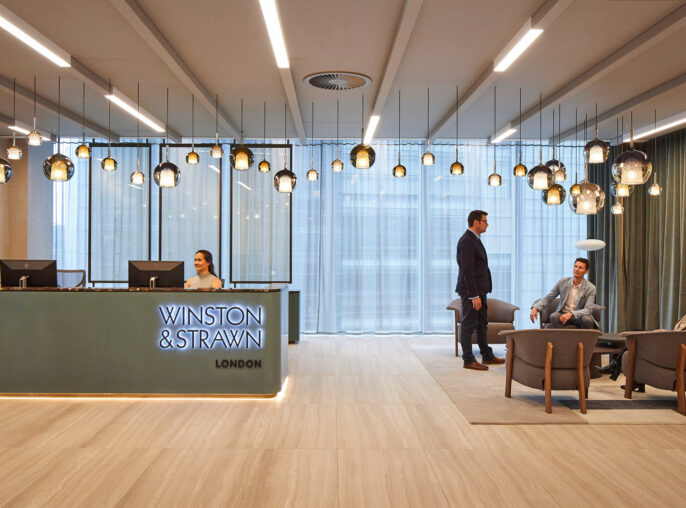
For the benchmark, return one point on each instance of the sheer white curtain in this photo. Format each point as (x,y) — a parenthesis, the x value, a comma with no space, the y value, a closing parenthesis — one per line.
(373,253)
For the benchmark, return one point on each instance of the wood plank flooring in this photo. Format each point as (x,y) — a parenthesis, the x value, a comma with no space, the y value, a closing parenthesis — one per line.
(361,423)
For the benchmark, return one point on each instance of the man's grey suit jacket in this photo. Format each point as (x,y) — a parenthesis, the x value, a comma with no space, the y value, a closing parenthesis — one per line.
(584,306)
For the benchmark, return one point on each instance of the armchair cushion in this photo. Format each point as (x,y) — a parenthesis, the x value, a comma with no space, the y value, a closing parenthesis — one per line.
(500,317)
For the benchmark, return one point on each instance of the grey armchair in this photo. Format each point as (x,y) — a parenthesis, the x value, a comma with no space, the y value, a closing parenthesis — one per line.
(500,317)
(657,359)
(551,359)
(548,310)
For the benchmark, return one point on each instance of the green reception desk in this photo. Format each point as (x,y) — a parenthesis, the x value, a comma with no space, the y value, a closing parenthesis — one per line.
(144,342)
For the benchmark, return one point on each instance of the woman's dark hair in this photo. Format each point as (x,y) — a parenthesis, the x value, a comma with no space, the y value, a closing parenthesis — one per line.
(208,257)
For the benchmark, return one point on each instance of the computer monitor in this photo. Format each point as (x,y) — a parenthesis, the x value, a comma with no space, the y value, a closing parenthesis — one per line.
(156,274)
(28,273)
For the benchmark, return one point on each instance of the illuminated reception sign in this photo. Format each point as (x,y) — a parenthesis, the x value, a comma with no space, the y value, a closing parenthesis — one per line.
(211,327)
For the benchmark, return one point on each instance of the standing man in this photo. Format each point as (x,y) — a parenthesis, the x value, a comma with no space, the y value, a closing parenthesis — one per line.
(473,283)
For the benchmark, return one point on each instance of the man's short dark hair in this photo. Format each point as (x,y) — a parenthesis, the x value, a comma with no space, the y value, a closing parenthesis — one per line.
(584,261)
(474,216)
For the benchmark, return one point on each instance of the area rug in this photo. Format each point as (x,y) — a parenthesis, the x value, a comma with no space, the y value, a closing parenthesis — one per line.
(480,396)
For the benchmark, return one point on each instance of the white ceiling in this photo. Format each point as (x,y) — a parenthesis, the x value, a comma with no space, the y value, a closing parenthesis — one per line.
(226,46)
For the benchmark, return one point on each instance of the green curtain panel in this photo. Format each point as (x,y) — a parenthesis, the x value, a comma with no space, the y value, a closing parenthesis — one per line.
(640,274)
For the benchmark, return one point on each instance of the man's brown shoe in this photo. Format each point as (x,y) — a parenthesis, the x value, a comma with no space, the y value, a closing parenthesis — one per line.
(493,361)
(475,366)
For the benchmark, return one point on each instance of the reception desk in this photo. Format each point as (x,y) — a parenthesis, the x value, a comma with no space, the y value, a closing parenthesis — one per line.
(143,342)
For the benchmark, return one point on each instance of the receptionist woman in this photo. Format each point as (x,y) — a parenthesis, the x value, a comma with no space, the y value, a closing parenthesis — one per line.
(206,278)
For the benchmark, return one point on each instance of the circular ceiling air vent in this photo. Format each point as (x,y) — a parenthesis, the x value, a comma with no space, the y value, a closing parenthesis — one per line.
(336,80)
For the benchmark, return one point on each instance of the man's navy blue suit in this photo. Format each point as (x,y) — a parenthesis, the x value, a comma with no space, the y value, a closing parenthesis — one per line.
(473,280)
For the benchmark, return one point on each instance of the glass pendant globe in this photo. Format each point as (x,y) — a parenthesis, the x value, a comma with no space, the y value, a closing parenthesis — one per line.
(540,178)
(519,170)
(5,171)
(362,156)
(617,209)
(589,201)
(560,174)
(83,152)
(456,168)
(108,164)
(620,190)
(495,180)
(166,175)
(555,195)
(285,180)
(596,151)
(312,175)
(655,189)
(137,178)
(575,190)
(34,138)
(428,159)
(632,168)
(264,166)
(58,168)
(14,153)
(217,152)
(337,166)
(399,171)
(242,158)
(192,158)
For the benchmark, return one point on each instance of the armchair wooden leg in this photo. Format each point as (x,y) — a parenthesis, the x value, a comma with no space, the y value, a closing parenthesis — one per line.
(630,368)
(680,364)
(580,374)
(548,378)
(457,338)
(508,366)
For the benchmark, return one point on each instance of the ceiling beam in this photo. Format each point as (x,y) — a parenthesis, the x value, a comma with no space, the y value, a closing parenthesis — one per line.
(27,94)
(402,37)
(541,19)
(631,103)
(293,106)
(648,38)
(144,26)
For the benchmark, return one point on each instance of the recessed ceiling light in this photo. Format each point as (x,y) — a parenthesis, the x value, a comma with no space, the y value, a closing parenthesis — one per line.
(129,106)
(527,37)
(371,129)
(509,132)
(33,38)
(271,19)
(665,127)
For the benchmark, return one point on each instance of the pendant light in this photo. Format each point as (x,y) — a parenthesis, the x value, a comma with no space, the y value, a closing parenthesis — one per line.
(192,157)
(264,165)
(167,174)
(34,137)
(312,174)
(520,169)
(632,167)
(428,158)
(362,156)
(14,153)
(575,189)
(138,177)
(494,179)
(596,151)
(83,151)
(285,180)
(399,171)
(540,177)
(241,156)
(337,165)
(5,171)
(620,190)
(591,197)
(555,195)
(617,208)
(58,167)
(108,163)
(216,152)
(655,189)
(556,166)
(456,168)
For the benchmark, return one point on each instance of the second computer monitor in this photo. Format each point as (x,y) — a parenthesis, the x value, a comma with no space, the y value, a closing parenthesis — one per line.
(160,274)
(28,272)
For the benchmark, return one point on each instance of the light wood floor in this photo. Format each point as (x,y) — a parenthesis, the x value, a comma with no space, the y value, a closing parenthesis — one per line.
(361,423)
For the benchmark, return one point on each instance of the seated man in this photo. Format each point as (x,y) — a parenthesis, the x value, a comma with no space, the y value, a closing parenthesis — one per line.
(577,296)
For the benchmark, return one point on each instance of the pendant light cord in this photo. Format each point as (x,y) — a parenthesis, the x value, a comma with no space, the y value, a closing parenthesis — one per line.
(362,142)
(655,143)
(166,129)
(520,125)
(59,109)
(83,115)
(241,121)
(398,126)
(337,106)
(494,171)
(285,134)
(312,131)
(14,108)
(553,132)
(138,127)
(428,107)
(559,131)
(109,122)
(596,119)
(216,119)
(193,122)
(457,122)
(540,128)
(576,142)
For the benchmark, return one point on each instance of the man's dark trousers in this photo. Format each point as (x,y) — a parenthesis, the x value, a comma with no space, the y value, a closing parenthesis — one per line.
(474,320)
